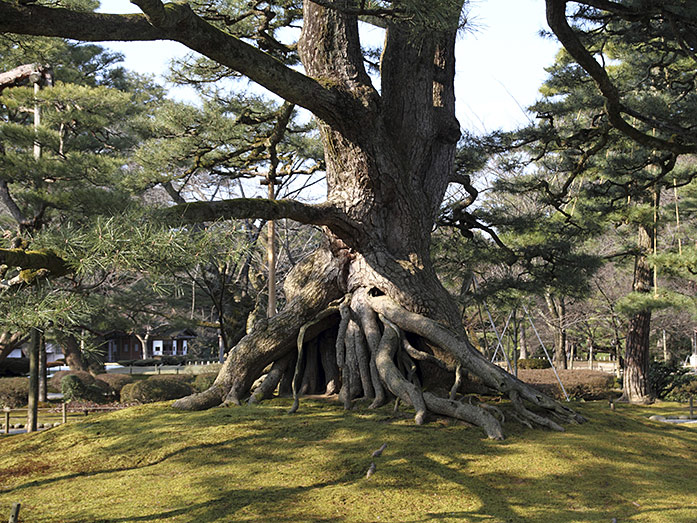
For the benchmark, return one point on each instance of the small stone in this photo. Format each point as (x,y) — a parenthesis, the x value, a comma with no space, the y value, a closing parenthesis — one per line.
(56,424)
(683,416)
(656,417)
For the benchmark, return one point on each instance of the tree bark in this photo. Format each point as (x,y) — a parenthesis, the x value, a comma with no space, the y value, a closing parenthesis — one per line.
(9,341)
(33,399)
(71,352)
(635,384)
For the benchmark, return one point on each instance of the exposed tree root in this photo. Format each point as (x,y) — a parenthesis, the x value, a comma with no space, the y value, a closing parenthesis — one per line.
(493,376)
(271,381)
(362,345)
(394,380)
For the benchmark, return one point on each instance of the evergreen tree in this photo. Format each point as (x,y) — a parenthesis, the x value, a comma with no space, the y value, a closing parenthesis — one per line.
(63,167)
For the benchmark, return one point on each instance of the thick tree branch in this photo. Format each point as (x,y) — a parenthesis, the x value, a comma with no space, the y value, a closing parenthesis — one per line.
(46,261)
(258,208)
(556,18)
(173,21)
(27,73)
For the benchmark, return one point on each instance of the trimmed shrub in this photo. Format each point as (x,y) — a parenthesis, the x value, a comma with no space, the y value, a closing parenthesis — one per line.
(115,381)
(156,388)
(579,384)
(204,381)
(666,377)
(14,367)
(54,383)
(682,393)
(173,360)
(74,388)
(533,363)
(14,392)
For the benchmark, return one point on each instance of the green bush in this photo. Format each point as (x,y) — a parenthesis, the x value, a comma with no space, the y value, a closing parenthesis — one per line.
(684,391)
(533,363)
(75,389)
(148,362)
(55,381)
(665,377)
(14,392)
(204,381)
(156,388)
(115,381)
(173,360)
(14,367)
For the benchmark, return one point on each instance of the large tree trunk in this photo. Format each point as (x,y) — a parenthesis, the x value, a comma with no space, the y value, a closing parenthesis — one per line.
(9,341)
(389,160)
(635,385)
(71,352)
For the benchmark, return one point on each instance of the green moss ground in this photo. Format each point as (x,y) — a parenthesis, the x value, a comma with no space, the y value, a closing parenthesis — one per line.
(152,463)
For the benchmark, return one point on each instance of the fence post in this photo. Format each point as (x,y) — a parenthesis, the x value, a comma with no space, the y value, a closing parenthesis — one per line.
(64,411)
(14,513)
(7,420)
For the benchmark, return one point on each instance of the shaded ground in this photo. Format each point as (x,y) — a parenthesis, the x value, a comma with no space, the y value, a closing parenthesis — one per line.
(151,463)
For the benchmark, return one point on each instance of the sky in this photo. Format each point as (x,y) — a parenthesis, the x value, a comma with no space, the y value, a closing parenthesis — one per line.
(499,62)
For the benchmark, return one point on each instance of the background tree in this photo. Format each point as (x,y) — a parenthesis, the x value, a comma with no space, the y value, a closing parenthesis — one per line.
(65,170)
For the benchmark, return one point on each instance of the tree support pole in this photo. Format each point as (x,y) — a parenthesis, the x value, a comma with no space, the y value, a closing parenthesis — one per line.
(546,353)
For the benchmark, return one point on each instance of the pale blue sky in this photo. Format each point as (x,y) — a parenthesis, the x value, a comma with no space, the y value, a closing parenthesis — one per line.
(500,65)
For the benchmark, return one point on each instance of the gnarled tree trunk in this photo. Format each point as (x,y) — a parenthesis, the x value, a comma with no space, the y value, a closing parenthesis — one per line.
(389,153)
(389,160)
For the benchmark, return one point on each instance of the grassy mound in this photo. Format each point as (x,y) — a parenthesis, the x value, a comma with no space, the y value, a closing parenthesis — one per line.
(151,463)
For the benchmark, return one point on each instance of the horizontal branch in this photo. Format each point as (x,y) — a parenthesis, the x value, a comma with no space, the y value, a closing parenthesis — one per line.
(259,208)
(46,261)
(177,22)
(27,73)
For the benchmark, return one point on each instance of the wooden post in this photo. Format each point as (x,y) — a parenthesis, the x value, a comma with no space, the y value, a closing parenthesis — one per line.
(14,513)
(7,421)
(64,412)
